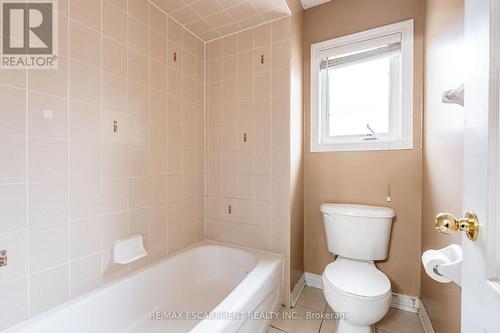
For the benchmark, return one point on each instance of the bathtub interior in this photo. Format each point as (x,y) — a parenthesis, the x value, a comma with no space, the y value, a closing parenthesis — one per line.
(197,279)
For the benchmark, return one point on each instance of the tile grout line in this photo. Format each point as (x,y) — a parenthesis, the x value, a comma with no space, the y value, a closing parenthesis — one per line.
(28,233)
(68,157)
(101,149)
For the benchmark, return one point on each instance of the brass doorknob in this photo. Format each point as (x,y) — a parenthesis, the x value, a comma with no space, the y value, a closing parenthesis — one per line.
(447,223)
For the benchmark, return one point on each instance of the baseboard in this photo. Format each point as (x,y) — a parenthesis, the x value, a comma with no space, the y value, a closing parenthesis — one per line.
(405,302)
(297,290)
(313,280)
(399,301)
(424,319)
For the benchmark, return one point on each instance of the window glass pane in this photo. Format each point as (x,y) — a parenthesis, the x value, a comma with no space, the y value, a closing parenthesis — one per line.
(359,95)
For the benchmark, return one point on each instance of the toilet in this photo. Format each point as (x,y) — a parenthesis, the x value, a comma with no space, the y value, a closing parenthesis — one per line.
(358,293)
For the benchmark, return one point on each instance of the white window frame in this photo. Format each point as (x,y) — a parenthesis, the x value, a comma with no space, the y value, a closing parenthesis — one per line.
(400,118)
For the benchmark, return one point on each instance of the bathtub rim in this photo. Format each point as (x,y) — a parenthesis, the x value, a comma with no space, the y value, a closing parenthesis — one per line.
(261,255)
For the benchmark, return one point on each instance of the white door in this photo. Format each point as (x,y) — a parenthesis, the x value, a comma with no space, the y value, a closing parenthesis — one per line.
(481,266)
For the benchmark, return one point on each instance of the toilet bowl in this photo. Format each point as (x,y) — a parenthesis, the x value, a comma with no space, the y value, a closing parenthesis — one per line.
(358,293)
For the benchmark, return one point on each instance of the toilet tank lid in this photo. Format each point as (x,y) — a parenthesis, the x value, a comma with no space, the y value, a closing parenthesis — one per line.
(357,210)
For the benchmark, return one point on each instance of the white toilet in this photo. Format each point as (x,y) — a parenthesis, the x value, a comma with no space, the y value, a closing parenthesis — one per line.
(354,288)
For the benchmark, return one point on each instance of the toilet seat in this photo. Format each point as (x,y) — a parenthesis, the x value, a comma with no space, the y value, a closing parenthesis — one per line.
(358,279)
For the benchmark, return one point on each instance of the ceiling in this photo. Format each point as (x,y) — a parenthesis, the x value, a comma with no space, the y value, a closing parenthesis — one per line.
(312,3)
(211,19)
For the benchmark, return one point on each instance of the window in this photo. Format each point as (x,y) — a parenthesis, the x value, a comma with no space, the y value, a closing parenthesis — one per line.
(362,90)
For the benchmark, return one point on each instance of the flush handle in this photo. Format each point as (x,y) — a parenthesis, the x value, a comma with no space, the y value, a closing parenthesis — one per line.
(446,223)
(3,258)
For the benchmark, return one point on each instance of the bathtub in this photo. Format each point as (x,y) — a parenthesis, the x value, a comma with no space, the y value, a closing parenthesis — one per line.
(209,287)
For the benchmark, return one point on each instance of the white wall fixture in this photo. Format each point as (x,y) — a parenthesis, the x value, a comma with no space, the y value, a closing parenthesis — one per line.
(128,250)
(455,96)
(444,265)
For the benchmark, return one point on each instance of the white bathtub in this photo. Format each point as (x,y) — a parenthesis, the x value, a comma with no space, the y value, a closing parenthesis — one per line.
(207,278)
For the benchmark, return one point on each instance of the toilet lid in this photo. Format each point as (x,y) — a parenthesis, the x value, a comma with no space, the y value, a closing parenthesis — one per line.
(357,277)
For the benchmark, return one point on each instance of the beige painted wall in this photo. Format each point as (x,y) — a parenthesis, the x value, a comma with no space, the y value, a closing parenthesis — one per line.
(361,177)
(443,144)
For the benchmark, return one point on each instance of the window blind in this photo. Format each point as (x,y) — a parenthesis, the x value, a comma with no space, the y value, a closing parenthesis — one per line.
(360,56)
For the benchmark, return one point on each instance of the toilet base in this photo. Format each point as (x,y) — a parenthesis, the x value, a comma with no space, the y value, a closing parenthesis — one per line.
(343,326)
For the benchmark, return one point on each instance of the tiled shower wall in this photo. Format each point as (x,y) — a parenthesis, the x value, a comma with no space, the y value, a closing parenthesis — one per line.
(248,139)
(71,185)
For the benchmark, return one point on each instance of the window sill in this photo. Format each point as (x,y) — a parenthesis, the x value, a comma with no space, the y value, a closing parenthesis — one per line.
(372,146)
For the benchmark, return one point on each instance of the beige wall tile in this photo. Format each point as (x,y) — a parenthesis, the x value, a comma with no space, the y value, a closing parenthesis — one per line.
(158,77)
(85,275)
(14,77)
(263,34)
(13,115)
(13,303)
(115,227)
(158,47)
(47,160)
(84,124)
(84,83)
(214,50)
(115,195)
(13,152)
(57,127)
(87,12)
(84,44)
(110,270)
(137,98)
(189,65)
(85,238)
(103,185)
(114,92)
(174,56)
(281,30)
(158,20)
(114,22)
(16,245)
(49,289)
(139,9)
(138,192)
(12,207)
(139,220)
(85,198)
(137,67)
(48,203)
(138,35)
(114,57)
(48,246)
(50,81)
(85,160)
(189,42)
(174,32)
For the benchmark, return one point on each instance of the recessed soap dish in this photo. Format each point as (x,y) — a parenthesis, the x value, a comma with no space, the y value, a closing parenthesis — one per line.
(128,250)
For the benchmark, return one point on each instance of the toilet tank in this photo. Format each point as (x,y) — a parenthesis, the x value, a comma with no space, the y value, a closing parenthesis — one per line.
(357,231)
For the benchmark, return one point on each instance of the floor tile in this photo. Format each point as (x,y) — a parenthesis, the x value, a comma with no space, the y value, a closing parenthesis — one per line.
(312,302)
(327,325)
(397,321)
(296,321)
(312,298)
